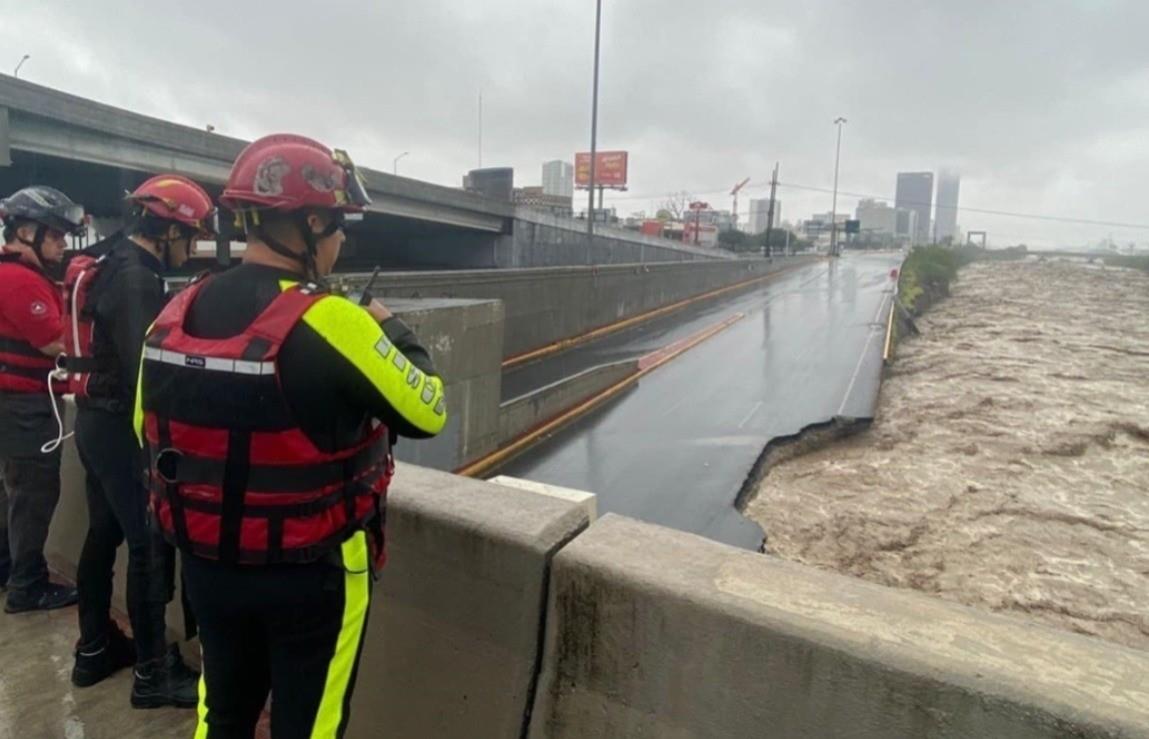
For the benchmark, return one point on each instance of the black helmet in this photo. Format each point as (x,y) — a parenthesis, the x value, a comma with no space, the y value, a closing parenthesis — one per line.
(44,205)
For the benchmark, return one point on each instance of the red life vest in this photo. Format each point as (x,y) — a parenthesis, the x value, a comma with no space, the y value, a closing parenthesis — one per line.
(79,362)
(23,367)
(233,477)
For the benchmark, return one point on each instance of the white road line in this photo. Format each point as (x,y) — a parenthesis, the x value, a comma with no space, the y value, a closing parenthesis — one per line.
(751,414)
(674,407)
(862,357)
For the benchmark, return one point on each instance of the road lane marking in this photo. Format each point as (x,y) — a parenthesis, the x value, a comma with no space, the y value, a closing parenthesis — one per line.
(646,365)
(751,414)
(597,333)
(862,357)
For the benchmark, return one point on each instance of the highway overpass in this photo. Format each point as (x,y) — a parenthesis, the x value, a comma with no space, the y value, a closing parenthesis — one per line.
(97,152)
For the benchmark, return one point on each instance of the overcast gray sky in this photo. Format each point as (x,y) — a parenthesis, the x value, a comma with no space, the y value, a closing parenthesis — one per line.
(1042,105)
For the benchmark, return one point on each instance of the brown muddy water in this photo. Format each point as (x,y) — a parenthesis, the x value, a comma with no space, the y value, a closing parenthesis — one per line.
(1008,467)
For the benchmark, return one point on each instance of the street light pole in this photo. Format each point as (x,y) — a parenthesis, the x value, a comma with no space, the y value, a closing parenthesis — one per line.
(834,208)
(593,136)
(23,59)
(395,162)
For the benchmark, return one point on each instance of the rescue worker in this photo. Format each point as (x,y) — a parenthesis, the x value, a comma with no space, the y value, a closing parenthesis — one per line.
(36,221)
(169,213)
(268,407)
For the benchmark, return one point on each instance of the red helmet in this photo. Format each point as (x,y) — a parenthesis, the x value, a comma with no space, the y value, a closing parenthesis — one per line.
(176,198)
(287,172)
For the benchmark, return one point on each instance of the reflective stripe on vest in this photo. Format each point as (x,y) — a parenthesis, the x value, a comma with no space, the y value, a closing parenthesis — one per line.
(212,364)
(233,477)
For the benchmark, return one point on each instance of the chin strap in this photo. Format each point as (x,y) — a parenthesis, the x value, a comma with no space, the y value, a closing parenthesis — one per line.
(311,246)
(37,242)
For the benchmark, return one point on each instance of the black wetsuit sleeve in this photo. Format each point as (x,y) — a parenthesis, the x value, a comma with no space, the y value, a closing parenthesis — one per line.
(133,300)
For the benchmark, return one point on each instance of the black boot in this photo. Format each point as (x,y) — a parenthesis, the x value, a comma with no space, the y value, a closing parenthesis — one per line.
(46,597)
(94,662)
(165,682)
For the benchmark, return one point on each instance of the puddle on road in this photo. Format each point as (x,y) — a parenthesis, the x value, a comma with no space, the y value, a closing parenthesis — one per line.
(1008,467)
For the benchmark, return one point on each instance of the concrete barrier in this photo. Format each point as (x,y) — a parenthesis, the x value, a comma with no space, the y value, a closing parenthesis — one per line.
(544,240)
(589,501)
(520,415)
(452,644)
(465,339)
(70,527)
(454,633)
(656,633)
(546,305)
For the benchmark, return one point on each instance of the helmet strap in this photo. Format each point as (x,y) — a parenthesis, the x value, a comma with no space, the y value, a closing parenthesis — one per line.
(312,245)
(277,246)
(165,244)
(37,242)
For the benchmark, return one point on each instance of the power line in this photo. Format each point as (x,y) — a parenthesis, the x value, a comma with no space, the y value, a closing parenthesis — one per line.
(962,209)
(987,211)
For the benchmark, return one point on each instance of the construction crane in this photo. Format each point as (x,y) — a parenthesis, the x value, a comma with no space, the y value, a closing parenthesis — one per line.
(734,193)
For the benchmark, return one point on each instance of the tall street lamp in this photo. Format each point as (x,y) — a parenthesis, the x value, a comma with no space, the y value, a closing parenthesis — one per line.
(593,136)
(834,208)
(23,59)
(395,162)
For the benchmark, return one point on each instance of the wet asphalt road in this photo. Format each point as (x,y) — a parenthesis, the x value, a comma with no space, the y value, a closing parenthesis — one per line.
(644,338)
(676,449)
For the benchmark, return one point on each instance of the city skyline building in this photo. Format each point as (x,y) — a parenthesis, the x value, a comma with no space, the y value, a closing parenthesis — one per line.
(558,178)
(915,191)
(760,214)
(945,217)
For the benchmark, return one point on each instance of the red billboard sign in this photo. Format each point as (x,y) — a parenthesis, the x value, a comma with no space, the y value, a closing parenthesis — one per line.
(610,169)
(652,228)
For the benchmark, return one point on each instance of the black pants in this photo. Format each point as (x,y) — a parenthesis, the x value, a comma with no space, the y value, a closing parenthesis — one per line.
(29,491)
(117,511)
(293,630)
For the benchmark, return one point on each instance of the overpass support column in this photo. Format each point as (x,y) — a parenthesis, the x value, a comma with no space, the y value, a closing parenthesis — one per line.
(5,145)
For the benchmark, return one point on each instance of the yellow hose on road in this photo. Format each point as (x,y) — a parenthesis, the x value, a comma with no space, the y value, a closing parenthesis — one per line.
(646,365)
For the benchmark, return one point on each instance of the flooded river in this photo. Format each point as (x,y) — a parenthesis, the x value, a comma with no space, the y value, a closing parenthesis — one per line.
(1008,467)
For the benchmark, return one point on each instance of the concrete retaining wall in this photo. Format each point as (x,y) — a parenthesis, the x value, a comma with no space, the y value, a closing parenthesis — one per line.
(656,633)
(543,306)
(452,644)
(70,527)
(454,631)
(542,240)
(520,415)
(465,339)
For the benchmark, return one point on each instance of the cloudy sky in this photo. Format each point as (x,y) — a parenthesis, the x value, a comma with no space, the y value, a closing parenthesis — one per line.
(1042,105)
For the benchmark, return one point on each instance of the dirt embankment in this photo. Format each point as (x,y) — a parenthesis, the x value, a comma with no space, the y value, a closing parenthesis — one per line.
(1008,467)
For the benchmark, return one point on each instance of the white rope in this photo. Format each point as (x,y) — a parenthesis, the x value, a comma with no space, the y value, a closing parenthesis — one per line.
(60,374)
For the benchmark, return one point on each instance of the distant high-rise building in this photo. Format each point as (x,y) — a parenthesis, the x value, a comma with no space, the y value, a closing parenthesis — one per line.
(877,218)
(760,214)
(558,178)
(492,182)
(906,224)
(945,223)
(723,220)
(916,192)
